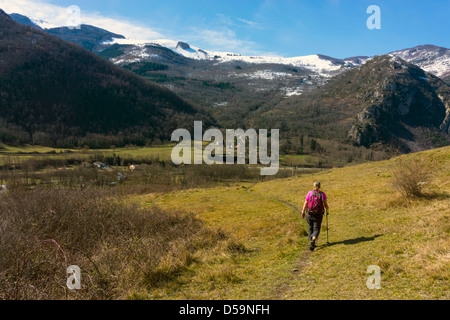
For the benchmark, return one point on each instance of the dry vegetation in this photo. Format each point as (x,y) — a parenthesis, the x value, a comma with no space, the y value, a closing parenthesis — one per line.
(119,247)
(410,176)
(231,240)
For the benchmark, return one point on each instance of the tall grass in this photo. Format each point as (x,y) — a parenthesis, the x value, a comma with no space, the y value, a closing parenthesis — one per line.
(120,247)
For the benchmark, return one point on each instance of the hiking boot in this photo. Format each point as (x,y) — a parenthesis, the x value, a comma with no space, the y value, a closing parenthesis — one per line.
(312,245)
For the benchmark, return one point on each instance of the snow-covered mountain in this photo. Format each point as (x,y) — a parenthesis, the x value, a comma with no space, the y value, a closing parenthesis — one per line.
(320,68)
(430,58)
(433,59)
(259,91)
(24,20)
(35,23)
(44,24)
(319,64)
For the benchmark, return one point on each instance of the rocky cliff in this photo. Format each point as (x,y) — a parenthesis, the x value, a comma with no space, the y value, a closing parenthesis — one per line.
(403,97)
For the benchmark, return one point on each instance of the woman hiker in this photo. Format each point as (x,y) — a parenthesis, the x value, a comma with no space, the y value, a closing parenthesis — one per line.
(316,203)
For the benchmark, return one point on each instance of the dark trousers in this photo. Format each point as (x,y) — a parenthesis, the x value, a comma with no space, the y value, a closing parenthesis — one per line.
(314,223)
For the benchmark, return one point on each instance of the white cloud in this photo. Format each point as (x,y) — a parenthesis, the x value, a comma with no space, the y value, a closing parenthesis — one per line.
(219,37)
(220,40)
(248,22)
(54,15)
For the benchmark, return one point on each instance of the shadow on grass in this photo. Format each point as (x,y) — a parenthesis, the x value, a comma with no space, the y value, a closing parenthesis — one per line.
(435,195)
(351,241)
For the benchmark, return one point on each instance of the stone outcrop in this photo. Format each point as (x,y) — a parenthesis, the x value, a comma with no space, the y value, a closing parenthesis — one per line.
(405,96)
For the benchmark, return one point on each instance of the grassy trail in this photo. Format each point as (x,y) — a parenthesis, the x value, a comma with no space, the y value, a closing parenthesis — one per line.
(370,224)
(280,290)
(272,236)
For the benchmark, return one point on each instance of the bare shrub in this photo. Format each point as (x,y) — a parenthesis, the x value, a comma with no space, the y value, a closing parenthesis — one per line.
(410,176)
(119,247)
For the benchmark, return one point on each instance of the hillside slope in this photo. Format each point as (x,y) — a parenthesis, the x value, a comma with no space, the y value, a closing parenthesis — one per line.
(87,36)
(53,92)
(24,20)
(369,225)
(430,58)
(385,101)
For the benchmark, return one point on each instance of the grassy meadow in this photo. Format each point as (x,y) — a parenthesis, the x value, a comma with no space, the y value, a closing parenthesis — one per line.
(32,151)
(370,224)
(205,232)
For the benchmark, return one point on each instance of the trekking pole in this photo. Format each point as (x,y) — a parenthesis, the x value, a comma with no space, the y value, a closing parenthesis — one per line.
(327,228)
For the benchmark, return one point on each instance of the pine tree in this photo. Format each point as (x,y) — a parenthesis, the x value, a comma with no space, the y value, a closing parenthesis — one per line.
(300,145)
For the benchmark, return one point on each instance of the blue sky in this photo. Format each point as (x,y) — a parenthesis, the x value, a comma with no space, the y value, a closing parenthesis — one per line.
(287,28)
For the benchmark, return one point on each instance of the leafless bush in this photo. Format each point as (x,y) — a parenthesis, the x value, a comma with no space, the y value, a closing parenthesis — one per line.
(410,176)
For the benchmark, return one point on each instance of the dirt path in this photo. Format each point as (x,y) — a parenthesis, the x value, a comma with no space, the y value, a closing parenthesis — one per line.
(283,287)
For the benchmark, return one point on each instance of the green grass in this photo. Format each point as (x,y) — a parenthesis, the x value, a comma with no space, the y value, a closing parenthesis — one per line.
(163,152)
(263,252)
(240,273)
(6,149)
(39,152)
(370,224)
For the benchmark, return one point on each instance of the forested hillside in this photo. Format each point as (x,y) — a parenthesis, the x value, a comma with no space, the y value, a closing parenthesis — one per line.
(53,92)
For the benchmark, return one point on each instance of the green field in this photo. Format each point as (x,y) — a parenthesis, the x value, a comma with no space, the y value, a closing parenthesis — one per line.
(38,152)
(370,224)
(139,154)
(163,151)
(223,232)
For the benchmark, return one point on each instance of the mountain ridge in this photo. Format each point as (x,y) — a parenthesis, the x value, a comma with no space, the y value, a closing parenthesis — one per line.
(317,62)
(54,92)
(386,101)
(24,20)
(87,36)
(260,91)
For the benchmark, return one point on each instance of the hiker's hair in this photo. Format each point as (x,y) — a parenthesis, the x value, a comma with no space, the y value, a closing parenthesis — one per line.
(317,184)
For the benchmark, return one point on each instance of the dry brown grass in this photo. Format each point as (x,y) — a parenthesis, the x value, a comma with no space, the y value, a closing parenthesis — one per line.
(410,176)
(119,247)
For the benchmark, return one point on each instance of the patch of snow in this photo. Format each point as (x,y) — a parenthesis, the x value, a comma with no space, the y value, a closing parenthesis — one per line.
(125,60)
(44,24)
(312,62)
(220,104)
(436,62)
(262,74)
(360,62)
(192,52)
(293,92)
